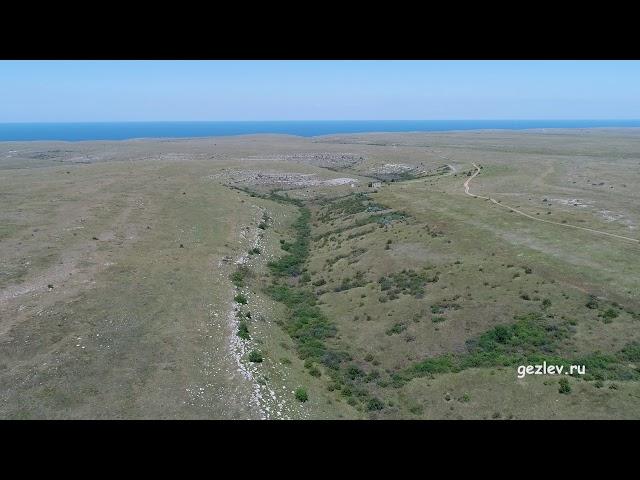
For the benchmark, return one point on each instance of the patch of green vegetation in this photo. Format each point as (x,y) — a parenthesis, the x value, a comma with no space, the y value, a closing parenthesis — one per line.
(243,330)
(408,282)
(241,299)
(530,340)
(353,253)
(240,275)
(601,366)
(565,387)
(416,409)
(592,303)
(301,395)
(374,404)
(527,340)
(306,323)
(349,205)
(381,219)
(442,307)
(255,356)
(348,283)
(608,315)
(630,353)
(313,333)
(298,251)
(396,329)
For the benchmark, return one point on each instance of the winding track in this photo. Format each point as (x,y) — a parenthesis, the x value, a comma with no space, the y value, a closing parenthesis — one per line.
(466,190)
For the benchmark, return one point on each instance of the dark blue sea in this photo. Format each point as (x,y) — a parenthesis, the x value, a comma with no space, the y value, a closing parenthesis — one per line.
(128,130)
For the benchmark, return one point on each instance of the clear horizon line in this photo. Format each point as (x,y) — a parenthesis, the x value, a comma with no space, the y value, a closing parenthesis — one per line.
(332,120)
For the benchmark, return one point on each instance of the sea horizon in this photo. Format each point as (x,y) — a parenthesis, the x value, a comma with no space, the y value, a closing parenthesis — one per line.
(127,130)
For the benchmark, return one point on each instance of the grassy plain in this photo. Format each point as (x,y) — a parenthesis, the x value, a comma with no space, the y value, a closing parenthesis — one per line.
(399,296)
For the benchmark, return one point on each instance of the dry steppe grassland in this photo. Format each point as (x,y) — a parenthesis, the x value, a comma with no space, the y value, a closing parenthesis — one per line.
(339,277)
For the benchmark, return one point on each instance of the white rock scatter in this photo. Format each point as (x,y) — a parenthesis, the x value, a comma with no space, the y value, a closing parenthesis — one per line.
(279,179)
(263,397)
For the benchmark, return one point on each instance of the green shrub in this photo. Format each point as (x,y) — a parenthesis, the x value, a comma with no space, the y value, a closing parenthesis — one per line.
(355,373)
(255,356)
(396,329)
(408,282)
(631,352)
(375,404)
(609,314)
(565,387)
(301,395)
(243,330)
(371,376)
(241,299)
(358,280)
(416,409)
(240,275)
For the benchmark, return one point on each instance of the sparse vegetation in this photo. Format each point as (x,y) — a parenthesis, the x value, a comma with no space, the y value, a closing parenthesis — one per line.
(399,301)
(407,282)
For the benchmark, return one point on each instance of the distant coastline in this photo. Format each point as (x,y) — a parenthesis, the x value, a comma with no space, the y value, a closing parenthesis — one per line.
(17,132)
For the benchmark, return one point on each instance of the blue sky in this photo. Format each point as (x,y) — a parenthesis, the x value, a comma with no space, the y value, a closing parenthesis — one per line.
(68,91)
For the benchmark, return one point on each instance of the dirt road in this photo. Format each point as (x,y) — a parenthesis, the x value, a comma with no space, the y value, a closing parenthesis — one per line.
(466,190)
